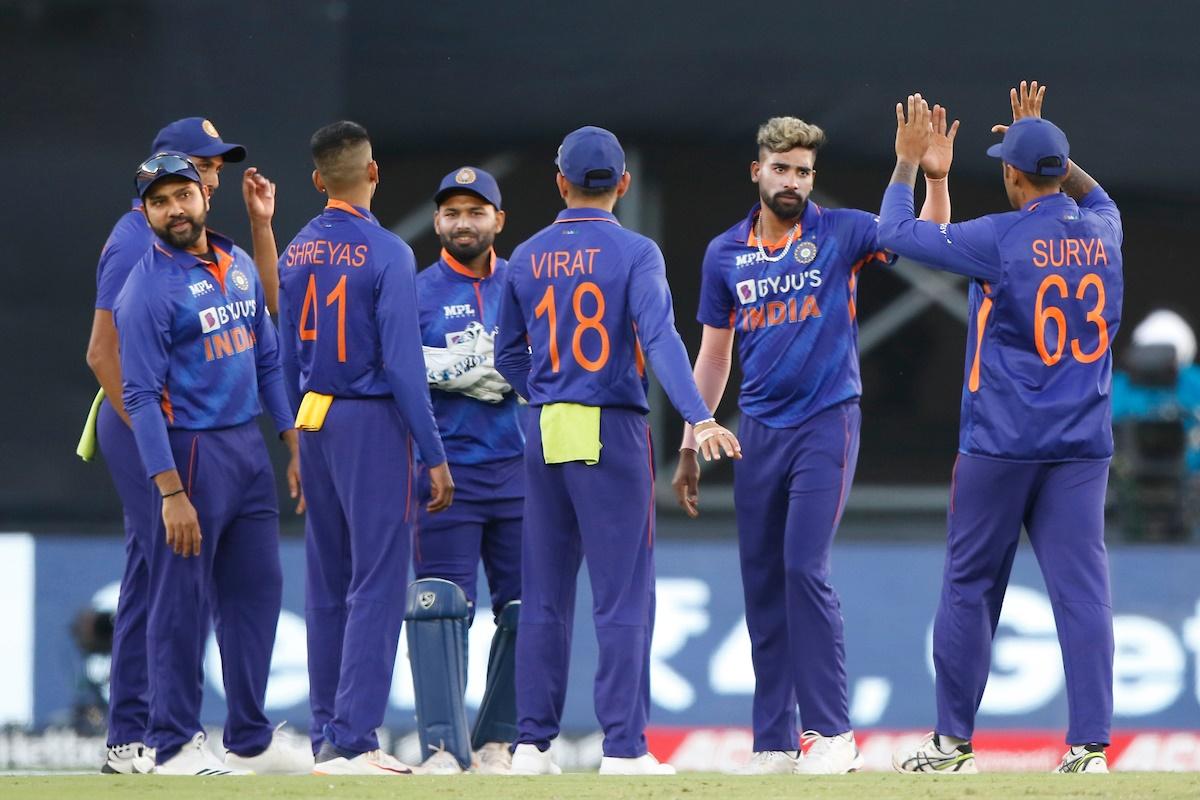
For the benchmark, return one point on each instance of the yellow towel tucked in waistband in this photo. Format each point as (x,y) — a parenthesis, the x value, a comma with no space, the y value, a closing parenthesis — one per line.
(570,432)
(313,409)
(86,449)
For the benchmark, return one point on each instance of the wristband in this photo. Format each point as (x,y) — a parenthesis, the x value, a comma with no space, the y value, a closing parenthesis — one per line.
(937,180)
(705,435)
(172,494)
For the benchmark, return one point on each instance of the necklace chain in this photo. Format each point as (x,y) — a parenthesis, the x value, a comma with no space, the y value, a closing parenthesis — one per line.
(786,246)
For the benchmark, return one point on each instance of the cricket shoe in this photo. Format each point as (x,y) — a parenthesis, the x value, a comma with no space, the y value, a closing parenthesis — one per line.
(493,759)
(284,756)
(828,755)
(330,761)
(1085,758)
(196,759)
(442,762)
(528,760)
(128,759)
(645,764)
(769,762)
(931,756)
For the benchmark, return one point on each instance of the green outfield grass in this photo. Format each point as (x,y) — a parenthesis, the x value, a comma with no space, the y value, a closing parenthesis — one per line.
(1143,786)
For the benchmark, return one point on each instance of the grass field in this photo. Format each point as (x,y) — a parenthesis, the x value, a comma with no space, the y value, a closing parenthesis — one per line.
(692,786)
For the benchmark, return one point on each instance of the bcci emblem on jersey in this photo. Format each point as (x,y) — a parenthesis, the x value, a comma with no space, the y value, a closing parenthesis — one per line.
(805,252)
(747,291)
(240,280)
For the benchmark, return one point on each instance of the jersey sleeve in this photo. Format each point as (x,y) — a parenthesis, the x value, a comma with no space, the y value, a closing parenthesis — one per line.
(289,356)
(966,248)
(860,232)
(650,306)
(403,359)
(1098,202)
(143,316)
(124,248)
(513,359)
(268,366)
(716,299)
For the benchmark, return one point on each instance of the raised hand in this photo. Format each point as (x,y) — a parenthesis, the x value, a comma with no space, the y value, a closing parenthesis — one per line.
(1026,101)
(259,194)
(937,159)
(913,133)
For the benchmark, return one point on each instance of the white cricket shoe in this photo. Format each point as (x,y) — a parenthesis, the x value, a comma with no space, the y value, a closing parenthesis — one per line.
(1088,758)
(931,756)
(528,760)
(128,759)
(442,762)
(829,755)
(373,762)
(285,755)
(493,759)
(769,762)
(196,759)
(645,764)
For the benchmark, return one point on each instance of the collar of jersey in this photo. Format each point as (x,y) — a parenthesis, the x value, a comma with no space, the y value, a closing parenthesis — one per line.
(1055,198)
(355,211)
(809,218)
(221,245)
(461,271)
(585,215)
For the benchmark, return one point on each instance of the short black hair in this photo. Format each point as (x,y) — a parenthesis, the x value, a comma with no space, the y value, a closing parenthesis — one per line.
(332,139)
(594,191)
(1043,182)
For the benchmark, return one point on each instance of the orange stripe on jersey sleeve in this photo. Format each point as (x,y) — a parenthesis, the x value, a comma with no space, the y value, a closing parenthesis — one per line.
(167,408)
(985,308)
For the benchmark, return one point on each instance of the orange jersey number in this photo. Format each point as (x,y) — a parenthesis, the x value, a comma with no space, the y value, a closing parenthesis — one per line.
(307,330)
(584,322)
(1043,314)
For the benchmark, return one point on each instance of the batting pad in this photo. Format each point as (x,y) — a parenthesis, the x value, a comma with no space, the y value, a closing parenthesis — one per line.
(437,637)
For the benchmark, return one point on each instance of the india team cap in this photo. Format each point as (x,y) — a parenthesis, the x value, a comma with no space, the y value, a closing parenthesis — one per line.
(163,165)
(469,179)
(196,136)
(591,157)
(1034,145)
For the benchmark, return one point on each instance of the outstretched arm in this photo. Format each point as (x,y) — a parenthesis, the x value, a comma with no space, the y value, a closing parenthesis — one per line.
(936,166)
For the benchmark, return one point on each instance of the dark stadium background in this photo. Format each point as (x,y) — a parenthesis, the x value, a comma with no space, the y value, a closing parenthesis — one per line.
(88,82)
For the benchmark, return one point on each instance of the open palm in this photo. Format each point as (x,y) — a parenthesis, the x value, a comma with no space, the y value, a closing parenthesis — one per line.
(937,159)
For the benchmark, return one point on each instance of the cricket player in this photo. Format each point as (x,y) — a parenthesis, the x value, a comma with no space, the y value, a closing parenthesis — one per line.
(131,237)
(584,300)
(785,279)
(352,346)
(197,350)
(1036,434)
(481,425)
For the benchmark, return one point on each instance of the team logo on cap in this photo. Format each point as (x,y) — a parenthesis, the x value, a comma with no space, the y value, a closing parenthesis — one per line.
(240,280)
(805,252)
(747,291)
(465,175)
(210,129)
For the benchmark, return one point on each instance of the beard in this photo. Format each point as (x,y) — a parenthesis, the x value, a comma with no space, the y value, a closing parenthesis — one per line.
(781,207)
(182,238)
(467,251)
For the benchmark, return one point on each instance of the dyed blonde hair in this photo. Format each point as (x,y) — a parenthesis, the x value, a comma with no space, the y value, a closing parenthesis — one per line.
(781,134)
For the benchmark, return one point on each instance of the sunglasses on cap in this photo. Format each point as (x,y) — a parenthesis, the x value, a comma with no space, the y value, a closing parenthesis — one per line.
(163,164)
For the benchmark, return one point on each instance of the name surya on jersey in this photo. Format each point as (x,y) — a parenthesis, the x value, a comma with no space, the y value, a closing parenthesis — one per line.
(1068,252)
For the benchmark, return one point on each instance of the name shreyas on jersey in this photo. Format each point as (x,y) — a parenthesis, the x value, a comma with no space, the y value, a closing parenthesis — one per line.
(201,288)
(324,252)
(458,310)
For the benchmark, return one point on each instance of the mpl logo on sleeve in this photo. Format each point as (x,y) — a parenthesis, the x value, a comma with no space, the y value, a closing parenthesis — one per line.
(747,291)
(209,320)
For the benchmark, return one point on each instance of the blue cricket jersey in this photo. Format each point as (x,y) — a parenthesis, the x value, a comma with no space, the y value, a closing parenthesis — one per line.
(450,297)
(795,318)
(348,318)
(129,240)
(583,298)
(1045,305)
(197,347)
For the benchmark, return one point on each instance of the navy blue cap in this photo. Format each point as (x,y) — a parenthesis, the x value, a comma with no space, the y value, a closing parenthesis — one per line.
(469,179)
(1034,145)
(196,136)
(163,165)
(591,157)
